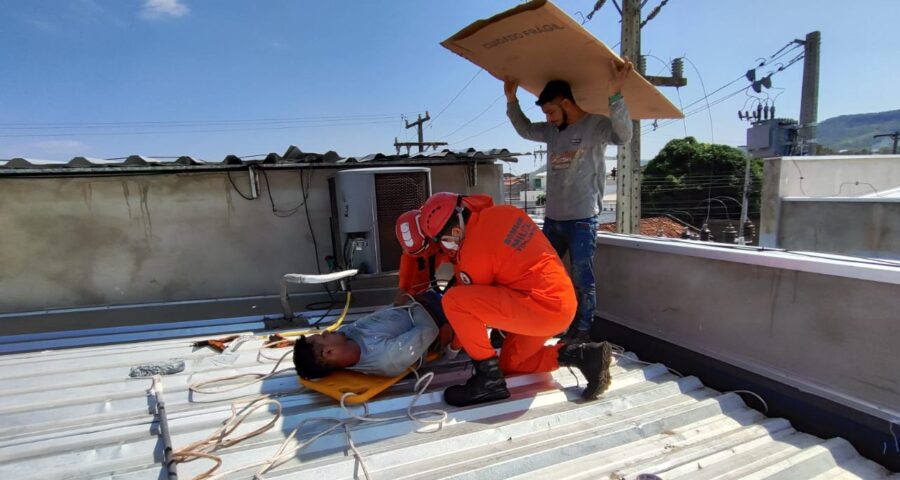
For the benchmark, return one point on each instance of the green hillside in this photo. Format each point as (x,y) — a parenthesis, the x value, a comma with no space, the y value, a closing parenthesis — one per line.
(854,132)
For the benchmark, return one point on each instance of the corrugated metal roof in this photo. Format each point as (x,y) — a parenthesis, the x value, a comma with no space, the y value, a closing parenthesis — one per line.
(292,155)
(75,413)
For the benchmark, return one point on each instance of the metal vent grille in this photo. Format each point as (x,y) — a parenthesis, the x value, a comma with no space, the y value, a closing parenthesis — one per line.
(396,193)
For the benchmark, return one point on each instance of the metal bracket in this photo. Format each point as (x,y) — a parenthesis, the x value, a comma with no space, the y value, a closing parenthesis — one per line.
(306,279)
(254,182)
(159,409)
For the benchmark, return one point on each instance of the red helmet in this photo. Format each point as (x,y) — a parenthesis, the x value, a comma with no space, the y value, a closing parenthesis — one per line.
(437,211)
(409,233)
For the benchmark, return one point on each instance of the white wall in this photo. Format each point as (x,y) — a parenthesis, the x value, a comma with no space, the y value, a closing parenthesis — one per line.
(838,175)
(75,241)
(819,177)
(861,227)
(823,326)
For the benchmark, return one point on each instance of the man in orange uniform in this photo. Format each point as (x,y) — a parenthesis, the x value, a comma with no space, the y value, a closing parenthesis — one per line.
(508,277)
(420,258)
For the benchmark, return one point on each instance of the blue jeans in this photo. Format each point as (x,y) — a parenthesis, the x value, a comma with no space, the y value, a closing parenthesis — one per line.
(579,239)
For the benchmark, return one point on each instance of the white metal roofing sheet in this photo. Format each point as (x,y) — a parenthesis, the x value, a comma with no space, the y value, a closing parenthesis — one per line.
(76,414)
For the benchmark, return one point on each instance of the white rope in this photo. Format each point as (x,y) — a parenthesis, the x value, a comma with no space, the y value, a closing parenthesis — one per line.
(282,454)
(618,351)
(199,387)
(218,439)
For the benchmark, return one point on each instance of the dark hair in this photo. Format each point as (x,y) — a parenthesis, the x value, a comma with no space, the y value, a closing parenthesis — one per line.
(553,90)
(307,364)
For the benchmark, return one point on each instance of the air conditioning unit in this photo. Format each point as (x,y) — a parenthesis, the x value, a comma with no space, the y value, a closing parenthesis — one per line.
(365,204)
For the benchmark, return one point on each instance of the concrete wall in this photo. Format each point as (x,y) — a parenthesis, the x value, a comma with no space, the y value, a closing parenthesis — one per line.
(825,327)
(824,176)
(857,227)
(77,241)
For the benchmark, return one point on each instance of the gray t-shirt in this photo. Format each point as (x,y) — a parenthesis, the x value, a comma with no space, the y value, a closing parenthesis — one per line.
(391,340)
(576,171)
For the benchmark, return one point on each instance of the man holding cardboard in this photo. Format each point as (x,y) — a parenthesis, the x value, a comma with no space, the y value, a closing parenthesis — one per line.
(576,172)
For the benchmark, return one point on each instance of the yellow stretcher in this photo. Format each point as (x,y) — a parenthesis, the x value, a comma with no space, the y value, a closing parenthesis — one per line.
(363,386)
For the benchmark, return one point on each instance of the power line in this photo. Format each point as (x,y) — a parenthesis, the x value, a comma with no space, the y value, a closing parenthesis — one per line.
(165,132)
(476,117)
(683,119)
(654,12)
(482,132)
(504,122)
(181,123)
(651,128)
(712,135)
(775,56)
(716,102)
(458,94)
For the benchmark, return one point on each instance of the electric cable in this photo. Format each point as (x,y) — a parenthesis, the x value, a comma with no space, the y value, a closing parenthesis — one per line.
(457,95)
(282,213)
(207,447)
(476,117)
(489,129)
(245,197)
(195,123)
(712,135)
(166,132)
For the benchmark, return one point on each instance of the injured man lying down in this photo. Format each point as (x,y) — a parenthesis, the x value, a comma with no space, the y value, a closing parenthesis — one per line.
(386,342)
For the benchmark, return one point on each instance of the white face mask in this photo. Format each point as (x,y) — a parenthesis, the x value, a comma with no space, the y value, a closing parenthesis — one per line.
(450,245)
(451,242)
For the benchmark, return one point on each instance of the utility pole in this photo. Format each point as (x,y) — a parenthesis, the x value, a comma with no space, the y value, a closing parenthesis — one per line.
(422,144)
(744,202)
(894,135)
(628,165)
(526,193)
(628,177)
(809,103)
(418,124)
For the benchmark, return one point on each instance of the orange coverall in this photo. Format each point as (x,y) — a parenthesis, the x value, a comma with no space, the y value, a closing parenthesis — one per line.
(509,277)
(415,272)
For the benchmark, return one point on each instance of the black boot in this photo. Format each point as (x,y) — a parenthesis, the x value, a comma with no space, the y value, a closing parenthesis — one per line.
(593,359)
(486,385)
(573,336)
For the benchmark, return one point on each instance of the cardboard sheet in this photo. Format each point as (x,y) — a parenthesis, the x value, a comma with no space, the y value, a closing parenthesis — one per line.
(537,42)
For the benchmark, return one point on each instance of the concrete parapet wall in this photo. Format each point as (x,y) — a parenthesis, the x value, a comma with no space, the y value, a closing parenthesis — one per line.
(827,327)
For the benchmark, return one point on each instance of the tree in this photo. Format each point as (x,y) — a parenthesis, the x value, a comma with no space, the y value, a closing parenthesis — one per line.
(693,181)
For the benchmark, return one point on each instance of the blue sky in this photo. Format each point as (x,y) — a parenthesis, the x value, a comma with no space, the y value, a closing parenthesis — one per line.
(208,78)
